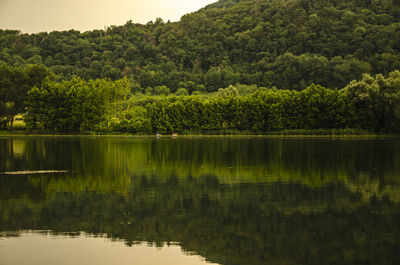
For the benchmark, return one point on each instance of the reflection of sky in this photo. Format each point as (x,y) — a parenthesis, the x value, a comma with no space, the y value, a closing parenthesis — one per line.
(41,249)
(48,15)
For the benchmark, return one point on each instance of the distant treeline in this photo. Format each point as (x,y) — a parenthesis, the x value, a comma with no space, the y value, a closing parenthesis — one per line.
(289,44)
(371,104)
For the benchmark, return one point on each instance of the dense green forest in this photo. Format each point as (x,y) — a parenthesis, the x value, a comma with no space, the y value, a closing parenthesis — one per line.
(224,56)
(284,43)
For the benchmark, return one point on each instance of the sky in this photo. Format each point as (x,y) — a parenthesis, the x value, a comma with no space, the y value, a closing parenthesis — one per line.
(32,16)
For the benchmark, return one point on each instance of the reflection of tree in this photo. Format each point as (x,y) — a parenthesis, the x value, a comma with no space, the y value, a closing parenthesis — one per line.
(105,164)
(234,201)
(226,223)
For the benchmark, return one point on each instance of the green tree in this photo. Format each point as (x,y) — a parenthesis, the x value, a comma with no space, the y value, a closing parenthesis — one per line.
(14,85)
(377,101)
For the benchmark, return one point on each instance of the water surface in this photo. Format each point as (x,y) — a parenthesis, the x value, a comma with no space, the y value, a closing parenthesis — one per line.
(199,200)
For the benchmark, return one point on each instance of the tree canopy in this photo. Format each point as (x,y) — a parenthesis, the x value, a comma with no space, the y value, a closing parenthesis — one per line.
(289,44)
(15,83)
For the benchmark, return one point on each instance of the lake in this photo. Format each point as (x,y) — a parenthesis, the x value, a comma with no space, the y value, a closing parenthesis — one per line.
(200,200)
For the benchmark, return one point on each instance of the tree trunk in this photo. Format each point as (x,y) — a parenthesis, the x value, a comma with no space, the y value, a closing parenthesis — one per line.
(10,122)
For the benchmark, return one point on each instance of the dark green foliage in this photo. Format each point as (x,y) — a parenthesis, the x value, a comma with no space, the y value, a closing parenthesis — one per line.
(289,44)
(231,49)
(14,84)
(377,101)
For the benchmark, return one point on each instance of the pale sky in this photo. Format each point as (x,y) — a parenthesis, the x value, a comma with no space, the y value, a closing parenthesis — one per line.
(33,16)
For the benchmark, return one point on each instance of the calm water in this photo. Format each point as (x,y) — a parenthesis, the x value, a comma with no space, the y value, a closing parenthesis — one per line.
(111,200)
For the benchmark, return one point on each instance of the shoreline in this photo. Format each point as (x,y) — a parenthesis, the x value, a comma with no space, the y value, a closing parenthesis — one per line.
(166,136)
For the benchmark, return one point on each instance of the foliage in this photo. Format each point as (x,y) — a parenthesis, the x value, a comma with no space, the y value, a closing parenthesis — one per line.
(377,101)
(264,110)
(287,44)
(372,104)
(74,105)
(231,49)
(14,84)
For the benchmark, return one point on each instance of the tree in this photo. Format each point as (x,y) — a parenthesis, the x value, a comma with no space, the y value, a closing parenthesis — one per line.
(14,85)
(377,101)
(182,92)
(75,105)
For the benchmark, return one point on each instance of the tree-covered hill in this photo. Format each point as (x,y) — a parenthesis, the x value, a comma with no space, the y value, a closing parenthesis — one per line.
(284,43)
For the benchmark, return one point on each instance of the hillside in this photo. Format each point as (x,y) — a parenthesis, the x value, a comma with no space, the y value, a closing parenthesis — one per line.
(284,43)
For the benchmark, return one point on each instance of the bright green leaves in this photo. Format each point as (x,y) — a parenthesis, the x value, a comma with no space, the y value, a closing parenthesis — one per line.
(75,105)
(264,110)
(371,104)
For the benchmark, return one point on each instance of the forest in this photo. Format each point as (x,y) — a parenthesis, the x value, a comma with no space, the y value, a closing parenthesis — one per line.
(250,66)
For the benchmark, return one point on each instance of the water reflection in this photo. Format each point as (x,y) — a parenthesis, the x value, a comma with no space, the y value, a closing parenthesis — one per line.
(232,201)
